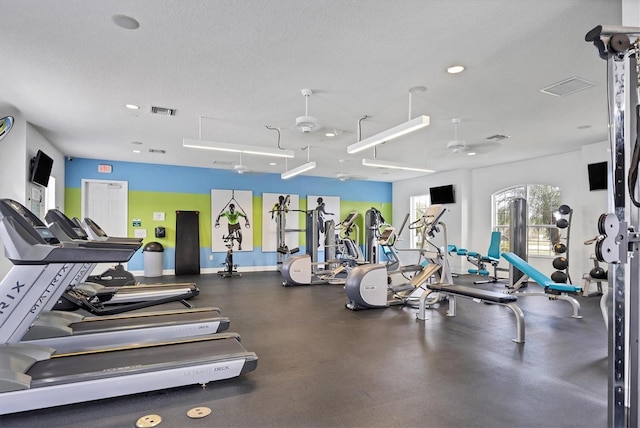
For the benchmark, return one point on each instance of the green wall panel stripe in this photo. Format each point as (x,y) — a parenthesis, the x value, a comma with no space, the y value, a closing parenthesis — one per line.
(143,204)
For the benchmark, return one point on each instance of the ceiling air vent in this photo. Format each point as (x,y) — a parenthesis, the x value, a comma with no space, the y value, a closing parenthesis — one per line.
(223,163)
(163,111)
(567,87)
(160,151)
(498,137)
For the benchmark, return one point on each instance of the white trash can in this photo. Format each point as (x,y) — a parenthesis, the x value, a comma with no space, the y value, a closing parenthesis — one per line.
(153,257)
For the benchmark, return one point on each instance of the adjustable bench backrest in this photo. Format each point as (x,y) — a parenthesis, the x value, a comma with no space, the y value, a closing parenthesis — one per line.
(533,273)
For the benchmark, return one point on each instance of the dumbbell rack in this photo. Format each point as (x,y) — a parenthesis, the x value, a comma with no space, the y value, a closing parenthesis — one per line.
(563,223)
(587,280)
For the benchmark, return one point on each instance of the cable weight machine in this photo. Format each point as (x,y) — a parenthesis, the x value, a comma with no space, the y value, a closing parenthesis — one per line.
(619,237)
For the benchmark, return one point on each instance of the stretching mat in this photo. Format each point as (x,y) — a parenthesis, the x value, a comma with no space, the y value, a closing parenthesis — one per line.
(187,243)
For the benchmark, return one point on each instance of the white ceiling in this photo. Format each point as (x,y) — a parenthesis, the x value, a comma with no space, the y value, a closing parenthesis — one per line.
(241,64)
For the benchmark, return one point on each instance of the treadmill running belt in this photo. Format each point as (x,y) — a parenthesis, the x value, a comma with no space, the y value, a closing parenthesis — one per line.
(79,368)
(126,323)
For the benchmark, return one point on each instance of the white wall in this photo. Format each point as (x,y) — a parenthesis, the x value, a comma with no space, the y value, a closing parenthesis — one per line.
(16,150)
(456,218)
(35,141)
(469,219)
(567,171)
(13,169)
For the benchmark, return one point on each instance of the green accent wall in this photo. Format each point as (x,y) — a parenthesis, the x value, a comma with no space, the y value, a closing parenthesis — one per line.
(143,204)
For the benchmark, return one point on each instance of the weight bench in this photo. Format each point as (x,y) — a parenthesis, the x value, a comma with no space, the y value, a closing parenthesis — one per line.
(477,295)
(552,290)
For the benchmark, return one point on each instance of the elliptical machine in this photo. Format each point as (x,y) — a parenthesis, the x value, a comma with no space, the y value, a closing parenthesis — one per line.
(368,286)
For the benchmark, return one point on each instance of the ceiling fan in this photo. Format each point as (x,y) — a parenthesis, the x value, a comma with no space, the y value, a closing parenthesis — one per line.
(241,168)
(457,146)
(345,176)
(307,124)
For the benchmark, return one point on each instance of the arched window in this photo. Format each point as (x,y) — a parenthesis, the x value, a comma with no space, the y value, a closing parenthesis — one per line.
(542,202)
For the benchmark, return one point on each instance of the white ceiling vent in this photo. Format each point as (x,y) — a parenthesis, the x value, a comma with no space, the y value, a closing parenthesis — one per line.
(567,87)
(160,151)
(163,111)
(223,163)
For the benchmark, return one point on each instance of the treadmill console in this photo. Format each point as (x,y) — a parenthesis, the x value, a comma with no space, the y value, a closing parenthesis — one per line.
(47,235)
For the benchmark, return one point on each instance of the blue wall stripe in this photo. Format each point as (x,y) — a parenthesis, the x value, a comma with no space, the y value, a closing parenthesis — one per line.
(181,179)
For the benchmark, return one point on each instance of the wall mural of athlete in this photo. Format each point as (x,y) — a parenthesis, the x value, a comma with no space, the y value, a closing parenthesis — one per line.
(233,224)
(237,218)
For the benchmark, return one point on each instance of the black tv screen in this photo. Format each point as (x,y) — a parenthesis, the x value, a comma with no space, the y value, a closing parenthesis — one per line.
(442,194)
(597,176)
(41,166)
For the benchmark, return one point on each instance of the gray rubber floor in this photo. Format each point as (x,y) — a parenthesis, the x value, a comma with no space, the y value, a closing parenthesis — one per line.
(321,365)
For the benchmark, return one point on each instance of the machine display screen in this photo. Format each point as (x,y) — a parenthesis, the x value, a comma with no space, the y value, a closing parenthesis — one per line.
(47,235)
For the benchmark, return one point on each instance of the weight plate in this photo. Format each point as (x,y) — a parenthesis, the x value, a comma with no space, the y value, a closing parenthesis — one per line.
(149,421)
(199,412)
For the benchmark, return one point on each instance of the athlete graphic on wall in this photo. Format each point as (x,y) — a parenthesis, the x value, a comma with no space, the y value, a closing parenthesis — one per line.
(233,215)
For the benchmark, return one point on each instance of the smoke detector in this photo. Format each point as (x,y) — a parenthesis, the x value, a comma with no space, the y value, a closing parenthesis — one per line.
(307,124)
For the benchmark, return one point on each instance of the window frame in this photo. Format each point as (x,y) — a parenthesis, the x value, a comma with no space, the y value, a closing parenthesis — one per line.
(540,247)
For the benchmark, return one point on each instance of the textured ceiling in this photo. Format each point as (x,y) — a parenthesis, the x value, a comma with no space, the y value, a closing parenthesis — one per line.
(240,65)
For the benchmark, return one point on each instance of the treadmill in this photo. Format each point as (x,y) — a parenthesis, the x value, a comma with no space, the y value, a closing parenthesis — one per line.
(35,377)
(93,297)
(71,332)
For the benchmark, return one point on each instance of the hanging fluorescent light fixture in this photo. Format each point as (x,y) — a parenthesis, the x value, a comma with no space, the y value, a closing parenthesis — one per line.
(392,165)
(298,170)
(236,148)
(390,134)
(233,148)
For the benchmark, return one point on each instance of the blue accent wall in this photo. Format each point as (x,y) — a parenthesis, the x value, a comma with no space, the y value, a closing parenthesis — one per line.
(181,179)
(197,182)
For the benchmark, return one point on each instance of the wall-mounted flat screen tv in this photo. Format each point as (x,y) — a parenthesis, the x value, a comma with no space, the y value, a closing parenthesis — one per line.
(442,194)
(41,166)
(597,176)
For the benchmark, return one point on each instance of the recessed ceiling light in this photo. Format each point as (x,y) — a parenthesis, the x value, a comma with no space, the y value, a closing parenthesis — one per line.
(330,134)
(132,106)
(273,163)
(455,69)
(126,22)
(136,151)
(471,154)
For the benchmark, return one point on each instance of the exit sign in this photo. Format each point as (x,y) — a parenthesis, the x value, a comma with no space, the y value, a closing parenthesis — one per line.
(105,169)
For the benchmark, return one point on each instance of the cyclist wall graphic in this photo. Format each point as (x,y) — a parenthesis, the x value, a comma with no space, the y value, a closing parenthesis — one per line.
(232,220)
